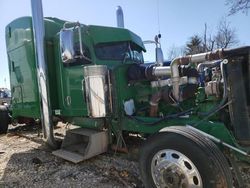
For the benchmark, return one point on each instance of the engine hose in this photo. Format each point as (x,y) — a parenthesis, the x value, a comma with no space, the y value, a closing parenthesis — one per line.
(162,119)
(225,92)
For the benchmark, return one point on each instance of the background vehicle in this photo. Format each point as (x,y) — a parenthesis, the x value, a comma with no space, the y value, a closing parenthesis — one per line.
(5,96)
(192,112)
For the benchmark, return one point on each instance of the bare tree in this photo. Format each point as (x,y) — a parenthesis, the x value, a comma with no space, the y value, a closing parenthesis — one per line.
(208,40)
(238,6)
(205,38)
(226,36)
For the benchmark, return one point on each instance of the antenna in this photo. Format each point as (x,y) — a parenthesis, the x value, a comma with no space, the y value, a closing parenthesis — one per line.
(158,16)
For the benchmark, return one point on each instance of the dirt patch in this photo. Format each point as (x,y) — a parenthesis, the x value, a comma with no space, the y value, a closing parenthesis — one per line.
(26,162)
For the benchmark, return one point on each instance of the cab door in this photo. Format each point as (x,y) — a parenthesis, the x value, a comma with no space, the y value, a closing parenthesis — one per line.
(74,56)
(74,103)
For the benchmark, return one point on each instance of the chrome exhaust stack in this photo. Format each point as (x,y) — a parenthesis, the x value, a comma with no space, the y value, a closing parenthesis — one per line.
(41,68)
(119,17)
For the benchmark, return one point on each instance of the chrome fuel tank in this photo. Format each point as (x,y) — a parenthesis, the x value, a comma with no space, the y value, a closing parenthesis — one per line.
(96,86)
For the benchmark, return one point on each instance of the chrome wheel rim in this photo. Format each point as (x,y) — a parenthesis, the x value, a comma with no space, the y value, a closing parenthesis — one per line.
(170,169)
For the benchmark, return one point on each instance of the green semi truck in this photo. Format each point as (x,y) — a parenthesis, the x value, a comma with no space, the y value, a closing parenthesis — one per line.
(192,113)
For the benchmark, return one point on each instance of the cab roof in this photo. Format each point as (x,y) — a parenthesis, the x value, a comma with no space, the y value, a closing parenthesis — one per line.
(114,34)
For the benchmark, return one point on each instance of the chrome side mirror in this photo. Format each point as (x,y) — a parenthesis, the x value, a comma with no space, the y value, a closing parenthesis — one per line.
(158,51)
(67,45)
(159,56)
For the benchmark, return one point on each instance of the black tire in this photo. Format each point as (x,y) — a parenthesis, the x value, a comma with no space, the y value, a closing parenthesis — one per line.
(4,119)
(207,159)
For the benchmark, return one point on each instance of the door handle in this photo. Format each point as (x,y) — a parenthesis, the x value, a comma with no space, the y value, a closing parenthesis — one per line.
(68,100)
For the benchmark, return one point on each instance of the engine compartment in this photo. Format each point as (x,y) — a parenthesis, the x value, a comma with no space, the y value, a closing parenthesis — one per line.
(192,83)
(215,90)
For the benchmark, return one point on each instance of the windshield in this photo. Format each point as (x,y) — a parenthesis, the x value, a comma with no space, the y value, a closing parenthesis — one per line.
(111,51)
(122,51)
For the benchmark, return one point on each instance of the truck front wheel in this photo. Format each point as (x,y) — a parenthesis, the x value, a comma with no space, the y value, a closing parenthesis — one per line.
(183,158)
(4,119)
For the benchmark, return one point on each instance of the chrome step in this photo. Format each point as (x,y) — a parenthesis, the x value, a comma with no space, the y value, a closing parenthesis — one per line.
(81,144)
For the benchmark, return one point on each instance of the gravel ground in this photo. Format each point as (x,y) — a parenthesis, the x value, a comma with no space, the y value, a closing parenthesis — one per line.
(26,162)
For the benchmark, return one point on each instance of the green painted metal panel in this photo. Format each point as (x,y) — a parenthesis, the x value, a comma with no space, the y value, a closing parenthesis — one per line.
(22,66)
(52,27)
(20,49)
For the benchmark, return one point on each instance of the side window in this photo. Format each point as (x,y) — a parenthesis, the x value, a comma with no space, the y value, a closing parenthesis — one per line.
(119,51)
(81,60)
